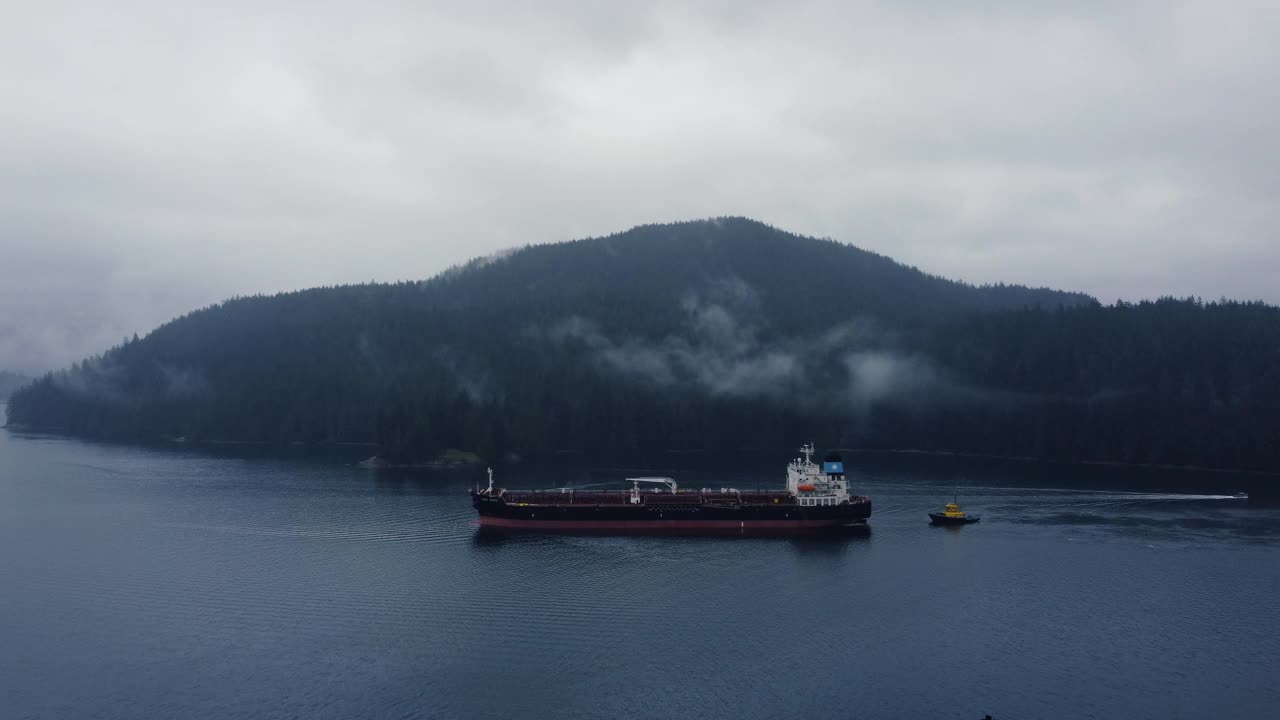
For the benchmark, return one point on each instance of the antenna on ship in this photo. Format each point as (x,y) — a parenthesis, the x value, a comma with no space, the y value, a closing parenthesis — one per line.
(807,449)
(490,480)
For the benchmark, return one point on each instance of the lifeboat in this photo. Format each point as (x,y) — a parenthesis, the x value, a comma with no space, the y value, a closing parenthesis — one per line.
(806,488)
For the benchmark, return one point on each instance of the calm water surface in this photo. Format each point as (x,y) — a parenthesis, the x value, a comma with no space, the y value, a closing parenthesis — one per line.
(168,583)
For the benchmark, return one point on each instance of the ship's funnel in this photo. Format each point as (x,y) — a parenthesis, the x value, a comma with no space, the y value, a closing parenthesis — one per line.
(833,464)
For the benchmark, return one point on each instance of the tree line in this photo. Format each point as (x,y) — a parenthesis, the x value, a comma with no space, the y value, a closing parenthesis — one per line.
(715,335)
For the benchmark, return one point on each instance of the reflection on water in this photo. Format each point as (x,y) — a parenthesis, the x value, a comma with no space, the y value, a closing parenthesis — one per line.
(174,583)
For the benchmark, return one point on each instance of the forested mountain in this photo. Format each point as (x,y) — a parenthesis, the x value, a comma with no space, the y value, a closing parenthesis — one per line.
(10,381)
(702,335)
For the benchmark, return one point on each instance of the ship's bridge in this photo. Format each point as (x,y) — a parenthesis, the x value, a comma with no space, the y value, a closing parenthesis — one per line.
(817,485)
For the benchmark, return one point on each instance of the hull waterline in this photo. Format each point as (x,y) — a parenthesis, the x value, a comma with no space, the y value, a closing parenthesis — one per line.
(670,526)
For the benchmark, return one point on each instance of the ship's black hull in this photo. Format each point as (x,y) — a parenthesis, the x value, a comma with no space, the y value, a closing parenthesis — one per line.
(669,518)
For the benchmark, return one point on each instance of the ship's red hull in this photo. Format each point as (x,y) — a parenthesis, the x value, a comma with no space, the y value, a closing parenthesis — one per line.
(696,512)
(670,525)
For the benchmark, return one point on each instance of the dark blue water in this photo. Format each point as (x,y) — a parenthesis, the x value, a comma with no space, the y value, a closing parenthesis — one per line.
(159,583)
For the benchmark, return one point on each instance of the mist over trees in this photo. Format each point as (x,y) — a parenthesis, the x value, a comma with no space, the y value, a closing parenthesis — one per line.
(708,335)
(10,381)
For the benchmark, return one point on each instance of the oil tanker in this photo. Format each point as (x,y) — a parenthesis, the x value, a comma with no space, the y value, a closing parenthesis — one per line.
(816,497)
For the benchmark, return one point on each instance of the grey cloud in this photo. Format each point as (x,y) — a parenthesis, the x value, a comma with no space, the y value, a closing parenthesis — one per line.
(878,376)
(720,354)
(102,378)
(158,157)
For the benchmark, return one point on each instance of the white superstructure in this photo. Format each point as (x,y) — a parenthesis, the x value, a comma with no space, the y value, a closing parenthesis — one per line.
(813,484)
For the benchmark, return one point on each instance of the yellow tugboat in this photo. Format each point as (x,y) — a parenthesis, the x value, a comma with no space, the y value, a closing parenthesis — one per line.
(952,515)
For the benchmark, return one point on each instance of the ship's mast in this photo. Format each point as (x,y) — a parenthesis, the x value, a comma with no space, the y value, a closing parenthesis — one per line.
(807,449)
(490,481)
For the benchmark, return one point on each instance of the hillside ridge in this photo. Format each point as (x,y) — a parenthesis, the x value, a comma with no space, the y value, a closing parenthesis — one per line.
(700,334)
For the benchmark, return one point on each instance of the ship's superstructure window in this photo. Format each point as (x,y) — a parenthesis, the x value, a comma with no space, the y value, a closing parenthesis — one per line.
(817,501)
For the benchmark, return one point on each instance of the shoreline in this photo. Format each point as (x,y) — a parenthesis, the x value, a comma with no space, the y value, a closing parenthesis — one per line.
(462,459)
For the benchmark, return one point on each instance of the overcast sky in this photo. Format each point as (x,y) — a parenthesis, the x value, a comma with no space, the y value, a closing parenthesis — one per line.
(156,157)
